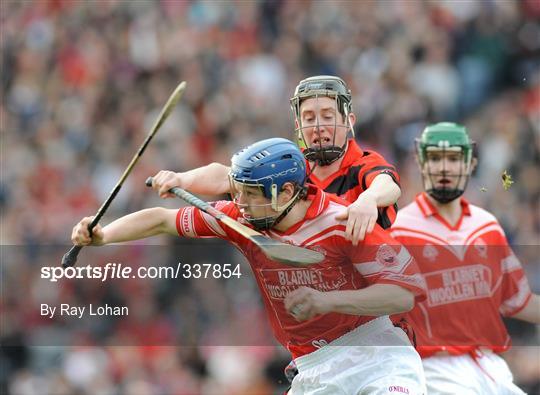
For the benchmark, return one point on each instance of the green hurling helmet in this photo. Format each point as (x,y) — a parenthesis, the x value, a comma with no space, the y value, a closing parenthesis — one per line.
(445,137)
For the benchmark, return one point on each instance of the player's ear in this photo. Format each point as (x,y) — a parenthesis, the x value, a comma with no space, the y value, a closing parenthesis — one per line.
(287,191)
(474,163)
(417,160)
(352,118)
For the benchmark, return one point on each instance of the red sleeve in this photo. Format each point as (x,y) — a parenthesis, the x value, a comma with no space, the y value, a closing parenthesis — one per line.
(373,165)
(194,223)
(383,260)
(515,288)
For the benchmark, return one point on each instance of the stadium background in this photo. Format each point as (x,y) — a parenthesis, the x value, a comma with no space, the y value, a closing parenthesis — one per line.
(83,81)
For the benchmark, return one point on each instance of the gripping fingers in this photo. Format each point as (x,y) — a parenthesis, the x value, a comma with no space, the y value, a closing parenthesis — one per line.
(372,222)
(304,311)
(356,229)
(359,230)
(292,302)
(354,233)
(349,230)
(367,227)
(360,225)
(81,235)
(165,180)
(300,304)
(299,311)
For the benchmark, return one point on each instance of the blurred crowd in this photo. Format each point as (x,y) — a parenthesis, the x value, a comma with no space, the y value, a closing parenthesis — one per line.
(82,83)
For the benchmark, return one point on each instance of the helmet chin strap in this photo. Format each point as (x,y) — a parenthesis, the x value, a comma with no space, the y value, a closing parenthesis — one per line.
(443,195)
(446,195)
(326,155)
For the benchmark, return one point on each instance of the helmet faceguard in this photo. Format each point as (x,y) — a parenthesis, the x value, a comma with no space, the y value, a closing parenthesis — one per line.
(269,213)
(438,143)
(263,169)
(322,153)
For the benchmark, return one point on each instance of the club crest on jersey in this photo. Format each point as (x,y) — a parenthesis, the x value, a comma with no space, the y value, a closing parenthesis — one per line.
(430,252)
(480,247)
(386,256)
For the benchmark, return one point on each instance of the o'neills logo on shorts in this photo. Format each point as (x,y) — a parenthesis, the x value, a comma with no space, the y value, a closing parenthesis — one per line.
(398,388)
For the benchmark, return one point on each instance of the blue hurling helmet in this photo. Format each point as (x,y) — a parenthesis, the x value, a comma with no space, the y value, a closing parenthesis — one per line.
(269,164)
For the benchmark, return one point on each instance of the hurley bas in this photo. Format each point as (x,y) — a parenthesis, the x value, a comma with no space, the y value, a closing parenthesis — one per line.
(79,311)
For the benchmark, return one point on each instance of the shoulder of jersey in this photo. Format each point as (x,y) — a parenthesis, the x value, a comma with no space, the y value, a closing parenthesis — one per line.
(411,214)
(408,214)
(228,208)
(336,200)
(370,152)
(482,217)
(336,205)
(371,155)
(324,226)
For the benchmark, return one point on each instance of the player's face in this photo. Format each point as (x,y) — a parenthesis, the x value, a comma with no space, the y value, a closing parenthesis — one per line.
(321,122)
(251,201)
(445,169)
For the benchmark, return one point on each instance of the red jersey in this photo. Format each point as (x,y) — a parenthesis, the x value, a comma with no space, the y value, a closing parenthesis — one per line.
(357,171)
(379,260)
(472,277)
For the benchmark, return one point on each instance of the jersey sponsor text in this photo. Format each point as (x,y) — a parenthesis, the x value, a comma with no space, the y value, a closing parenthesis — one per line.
(458,284)
(280,282)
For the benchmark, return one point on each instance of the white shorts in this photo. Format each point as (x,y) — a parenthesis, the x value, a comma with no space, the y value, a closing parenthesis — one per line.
(488,374)
(358,363)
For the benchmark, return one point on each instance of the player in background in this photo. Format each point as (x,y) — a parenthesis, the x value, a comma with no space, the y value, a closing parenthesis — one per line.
(473,277)
(322,109)
(339,306)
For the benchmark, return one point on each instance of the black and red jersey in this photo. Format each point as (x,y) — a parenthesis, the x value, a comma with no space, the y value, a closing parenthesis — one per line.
(357,171)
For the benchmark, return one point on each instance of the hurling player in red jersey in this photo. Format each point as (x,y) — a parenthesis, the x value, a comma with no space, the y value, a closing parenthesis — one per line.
(472,275)
(331,316)
(322,108)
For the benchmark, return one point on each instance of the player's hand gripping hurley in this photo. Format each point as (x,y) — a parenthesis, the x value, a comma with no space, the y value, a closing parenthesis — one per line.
(70,257)
(273,249)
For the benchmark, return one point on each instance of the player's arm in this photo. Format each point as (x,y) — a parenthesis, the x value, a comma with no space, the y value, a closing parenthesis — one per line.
(362,214)
(393,280)
(517,299)
(531,311)
(384,190)
(135,226)
(211,179)
(375,300)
